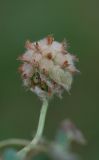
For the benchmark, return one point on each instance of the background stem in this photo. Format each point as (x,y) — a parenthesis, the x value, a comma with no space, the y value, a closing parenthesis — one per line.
(14,141)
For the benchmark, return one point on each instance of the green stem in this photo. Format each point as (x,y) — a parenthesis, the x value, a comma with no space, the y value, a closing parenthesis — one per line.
(13,141)
(39,132)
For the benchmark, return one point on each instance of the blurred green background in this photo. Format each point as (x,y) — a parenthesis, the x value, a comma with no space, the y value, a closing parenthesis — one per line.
(78,22)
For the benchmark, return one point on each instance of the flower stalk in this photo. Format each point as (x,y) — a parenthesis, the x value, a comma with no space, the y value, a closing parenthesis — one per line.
(39,132)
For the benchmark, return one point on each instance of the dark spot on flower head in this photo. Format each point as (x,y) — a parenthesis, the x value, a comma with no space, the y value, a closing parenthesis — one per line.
(49,56)
(36,78)
(50,39)
(44,86)
(37,46)
(65,64)
(25,76)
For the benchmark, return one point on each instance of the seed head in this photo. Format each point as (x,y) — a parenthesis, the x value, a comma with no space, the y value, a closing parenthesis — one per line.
(47,67)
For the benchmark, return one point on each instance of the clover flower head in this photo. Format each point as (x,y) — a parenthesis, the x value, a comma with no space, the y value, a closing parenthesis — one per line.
(47,67)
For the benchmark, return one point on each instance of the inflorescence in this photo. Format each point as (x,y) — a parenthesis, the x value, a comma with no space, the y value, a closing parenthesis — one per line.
(47,67)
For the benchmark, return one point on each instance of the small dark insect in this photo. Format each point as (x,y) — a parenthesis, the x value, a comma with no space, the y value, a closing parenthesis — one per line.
(44,86)
(36,78)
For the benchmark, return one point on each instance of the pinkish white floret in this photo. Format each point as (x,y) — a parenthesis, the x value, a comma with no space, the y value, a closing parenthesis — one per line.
(47,67)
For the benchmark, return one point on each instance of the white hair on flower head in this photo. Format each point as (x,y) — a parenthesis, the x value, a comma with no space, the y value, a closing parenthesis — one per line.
(47,67)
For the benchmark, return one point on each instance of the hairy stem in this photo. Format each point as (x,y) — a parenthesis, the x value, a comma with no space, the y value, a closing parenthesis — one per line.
(39,132)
